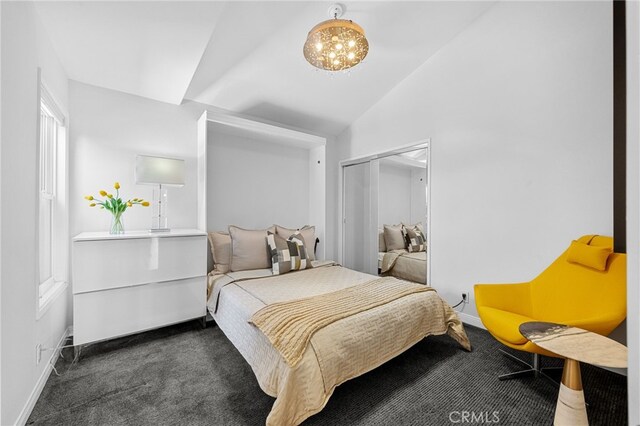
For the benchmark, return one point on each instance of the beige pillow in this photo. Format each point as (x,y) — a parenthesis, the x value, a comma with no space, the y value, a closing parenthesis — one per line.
(220,243)
(307,232)
(249,248)
(393,238)
(382,247)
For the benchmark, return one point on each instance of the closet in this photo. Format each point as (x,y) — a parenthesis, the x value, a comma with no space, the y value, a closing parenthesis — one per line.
(387,188)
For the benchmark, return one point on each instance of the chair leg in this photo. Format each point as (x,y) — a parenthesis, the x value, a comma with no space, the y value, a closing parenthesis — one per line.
(515,358)
(534,369)
(518,374)
(546,376)
(553,378)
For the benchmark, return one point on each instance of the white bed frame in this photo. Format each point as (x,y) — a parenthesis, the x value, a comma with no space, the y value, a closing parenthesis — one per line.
(237,125)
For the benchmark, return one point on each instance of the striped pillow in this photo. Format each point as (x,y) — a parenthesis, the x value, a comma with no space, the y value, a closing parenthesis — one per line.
(415,240)
(287,255)
(307,231)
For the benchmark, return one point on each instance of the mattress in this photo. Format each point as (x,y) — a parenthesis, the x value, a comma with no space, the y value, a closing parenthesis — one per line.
(340,351)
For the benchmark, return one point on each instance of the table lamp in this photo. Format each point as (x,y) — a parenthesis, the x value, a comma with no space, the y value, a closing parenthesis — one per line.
(160,172)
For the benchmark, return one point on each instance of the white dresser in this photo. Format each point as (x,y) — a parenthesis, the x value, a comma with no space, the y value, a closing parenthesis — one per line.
(124,284)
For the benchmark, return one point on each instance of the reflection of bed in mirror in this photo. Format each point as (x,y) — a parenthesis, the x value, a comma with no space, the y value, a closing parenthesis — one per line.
(401,206)
(387,189)
(401,263)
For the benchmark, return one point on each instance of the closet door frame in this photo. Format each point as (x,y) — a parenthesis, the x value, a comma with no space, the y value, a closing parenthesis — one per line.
(373,231)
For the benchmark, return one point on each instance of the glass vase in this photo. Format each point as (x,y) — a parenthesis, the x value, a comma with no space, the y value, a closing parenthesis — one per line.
(117,225)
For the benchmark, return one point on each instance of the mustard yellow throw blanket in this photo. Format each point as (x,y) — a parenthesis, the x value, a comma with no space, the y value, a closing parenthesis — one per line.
(290,325)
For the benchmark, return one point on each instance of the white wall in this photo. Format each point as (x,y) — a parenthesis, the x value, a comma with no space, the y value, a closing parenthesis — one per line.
(254,184)
(24,48)
(0,214)
(418,195)
(633,209)
(518,108)
(394,194)
(108,130)
(401,193)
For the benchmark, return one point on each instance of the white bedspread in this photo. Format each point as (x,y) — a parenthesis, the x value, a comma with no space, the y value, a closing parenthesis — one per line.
(348,348)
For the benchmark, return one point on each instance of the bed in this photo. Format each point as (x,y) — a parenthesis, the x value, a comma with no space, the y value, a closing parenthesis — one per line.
(341,350)
(404,265)
(396,261)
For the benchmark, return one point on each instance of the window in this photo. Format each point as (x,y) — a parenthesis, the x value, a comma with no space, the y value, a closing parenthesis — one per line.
(52,228)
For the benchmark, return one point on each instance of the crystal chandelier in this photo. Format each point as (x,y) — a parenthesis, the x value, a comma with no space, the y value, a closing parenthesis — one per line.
(336,44)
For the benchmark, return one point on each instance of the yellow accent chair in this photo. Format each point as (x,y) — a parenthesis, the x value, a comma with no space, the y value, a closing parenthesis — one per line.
(567,292)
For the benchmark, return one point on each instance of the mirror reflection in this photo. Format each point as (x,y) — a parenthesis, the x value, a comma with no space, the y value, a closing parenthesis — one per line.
(402,210)
(385,215)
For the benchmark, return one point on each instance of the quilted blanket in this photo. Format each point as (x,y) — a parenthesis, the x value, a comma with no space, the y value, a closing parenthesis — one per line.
(340,351)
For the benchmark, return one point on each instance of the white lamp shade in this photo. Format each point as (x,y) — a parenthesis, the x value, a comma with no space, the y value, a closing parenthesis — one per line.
(159,171)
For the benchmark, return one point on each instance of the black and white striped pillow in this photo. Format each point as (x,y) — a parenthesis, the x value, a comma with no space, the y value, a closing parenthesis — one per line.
(414,238)
(287,255)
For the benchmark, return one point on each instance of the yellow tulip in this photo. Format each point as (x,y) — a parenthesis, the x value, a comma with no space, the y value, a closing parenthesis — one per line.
(92,205)
(129,204)
(103,193)
(117,185)
(109,195)
(89,197)
(145,203)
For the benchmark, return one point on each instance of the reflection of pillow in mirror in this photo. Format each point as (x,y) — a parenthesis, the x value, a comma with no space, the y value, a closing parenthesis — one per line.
(415,239)
(382,247)
(249,248)
(287,255)
(308,233)
(417,224)
(393,238)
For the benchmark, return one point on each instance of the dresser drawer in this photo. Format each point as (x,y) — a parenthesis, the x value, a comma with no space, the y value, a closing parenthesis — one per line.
(107,264)
(106,314)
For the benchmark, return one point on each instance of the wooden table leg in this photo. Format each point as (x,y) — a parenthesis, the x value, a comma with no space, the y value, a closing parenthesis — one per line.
(570,408)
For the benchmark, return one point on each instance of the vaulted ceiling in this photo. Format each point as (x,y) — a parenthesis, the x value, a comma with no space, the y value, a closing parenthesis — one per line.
(247,56)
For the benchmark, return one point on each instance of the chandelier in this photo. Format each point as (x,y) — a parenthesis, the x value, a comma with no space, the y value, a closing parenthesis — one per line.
(336,44)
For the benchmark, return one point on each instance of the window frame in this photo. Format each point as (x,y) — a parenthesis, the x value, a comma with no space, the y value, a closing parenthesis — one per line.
(53,286)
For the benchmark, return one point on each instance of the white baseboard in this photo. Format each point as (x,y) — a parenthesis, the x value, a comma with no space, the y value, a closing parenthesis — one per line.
(42,380)
(471,320)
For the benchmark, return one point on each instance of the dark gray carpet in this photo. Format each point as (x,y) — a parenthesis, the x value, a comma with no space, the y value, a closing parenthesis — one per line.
(186,375)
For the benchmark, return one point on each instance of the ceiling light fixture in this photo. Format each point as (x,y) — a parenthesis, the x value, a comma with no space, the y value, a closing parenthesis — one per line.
(336,44)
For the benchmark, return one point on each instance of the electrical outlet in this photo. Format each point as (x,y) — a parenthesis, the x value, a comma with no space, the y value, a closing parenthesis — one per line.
(38,353)
(465,298)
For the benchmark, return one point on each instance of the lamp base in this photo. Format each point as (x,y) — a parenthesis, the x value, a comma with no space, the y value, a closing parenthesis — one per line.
(159,221)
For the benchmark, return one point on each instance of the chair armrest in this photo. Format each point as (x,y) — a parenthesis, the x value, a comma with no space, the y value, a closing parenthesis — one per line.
(514,298)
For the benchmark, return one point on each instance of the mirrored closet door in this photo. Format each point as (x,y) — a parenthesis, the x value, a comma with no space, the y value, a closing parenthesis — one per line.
(357,218)
(385,213)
